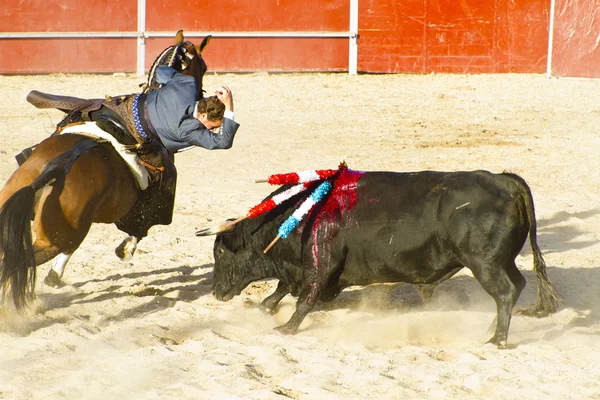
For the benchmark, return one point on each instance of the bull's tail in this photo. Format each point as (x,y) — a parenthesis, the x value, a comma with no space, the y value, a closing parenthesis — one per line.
(17,262)
(547,300)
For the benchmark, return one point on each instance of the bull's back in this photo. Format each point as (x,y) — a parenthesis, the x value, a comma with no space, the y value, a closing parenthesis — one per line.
(414,227)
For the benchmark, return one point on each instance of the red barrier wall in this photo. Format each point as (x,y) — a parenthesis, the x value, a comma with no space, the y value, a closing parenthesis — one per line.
(419,36)
(68,55)
(576,39)
(469,36)
(252,54)
(29,56)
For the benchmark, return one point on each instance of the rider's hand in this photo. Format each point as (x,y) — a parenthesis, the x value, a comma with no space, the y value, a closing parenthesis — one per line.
(224,94)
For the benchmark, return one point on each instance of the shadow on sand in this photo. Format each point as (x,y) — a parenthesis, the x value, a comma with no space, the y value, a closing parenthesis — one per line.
(556,234)
(579,287)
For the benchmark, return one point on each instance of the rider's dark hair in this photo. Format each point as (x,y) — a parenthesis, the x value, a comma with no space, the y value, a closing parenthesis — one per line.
(213,107)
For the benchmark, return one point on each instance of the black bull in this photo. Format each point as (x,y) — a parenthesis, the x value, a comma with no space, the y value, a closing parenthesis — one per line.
(376,227)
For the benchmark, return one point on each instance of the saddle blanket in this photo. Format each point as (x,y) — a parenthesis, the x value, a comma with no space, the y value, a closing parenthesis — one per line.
(141,174)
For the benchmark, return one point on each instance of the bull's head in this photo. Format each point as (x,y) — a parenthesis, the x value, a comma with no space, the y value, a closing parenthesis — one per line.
(237,262)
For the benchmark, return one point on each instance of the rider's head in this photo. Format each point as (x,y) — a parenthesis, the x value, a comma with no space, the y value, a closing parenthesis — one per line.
(210,112)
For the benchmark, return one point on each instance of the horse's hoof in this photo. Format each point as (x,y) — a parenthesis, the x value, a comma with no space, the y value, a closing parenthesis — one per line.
(53,279)
(127,248)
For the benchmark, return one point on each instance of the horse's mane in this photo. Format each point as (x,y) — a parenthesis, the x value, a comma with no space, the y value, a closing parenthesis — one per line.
(170,57)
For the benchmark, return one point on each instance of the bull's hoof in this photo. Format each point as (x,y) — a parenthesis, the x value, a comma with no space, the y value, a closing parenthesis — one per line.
(532,312)
(53,279)
(425,291)
(267,309)
(286,330)
(501,343)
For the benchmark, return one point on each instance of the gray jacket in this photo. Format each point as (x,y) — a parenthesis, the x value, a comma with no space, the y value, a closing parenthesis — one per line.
(171,113)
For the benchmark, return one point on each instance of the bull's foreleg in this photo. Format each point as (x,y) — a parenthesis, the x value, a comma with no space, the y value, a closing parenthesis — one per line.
(307,299)
(426,290)
(303,307)
(306,302)
(269,305)
(325,271)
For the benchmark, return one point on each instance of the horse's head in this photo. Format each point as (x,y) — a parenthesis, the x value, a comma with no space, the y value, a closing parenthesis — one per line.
(184,57)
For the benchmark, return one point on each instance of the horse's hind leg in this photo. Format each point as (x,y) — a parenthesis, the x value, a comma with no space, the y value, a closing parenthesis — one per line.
(63,240)
(54,277)
(43,252)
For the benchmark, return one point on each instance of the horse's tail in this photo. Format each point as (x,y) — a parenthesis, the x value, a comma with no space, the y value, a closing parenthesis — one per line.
(547,299)
(17,263)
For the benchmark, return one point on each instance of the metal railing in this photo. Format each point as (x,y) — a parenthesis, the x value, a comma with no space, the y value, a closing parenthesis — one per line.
(142,35)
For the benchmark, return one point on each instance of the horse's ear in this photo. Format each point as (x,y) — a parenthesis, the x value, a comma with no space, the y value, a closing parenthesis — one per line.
(203,45)
(179,36)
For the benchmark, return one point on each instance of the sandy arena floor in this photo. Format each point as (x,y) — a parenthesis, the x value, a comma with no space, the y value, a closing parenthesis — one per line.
(150,328)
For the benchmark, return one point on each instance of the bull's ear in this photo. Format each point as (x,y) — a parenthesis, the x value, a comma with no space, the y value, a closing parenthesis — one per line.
(179,36)
(203,45)
(226,226)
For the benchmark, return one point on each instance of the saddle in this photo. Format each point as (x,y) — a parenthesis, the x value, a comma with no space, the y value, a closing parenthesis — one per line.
(114,115)
(62,103)
(119,119)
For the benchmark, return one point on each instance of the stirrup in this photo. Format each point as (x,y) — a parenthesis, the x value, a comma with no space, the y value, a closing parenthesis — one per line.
(24,155)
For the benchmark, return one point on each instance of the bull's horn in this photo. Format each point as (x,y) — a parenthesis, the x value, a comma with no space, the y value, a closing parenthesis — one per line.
(227,226)
(205,232)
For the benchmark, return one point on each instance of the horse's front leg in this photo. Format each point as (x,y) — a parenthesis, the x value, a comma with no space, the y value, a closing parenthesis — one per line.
(127,247)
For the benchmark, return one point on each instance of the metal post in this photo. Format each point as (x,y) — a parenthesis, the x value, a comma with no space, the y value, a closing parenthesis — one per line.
(141,39)
(550,39)
(353,54)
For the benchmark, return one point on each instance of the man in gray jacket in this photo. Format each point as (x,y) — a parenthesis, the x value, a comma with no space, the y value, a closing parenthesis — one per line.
(172,114)
(181,122)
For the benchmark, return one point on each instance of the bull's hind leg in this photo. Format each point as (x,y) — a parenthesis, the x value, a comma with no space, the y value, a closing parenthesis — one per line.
(505,284)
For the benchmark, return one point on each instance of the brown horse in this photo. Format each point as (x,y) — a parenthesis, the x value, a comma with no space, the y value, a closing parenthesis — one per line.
(68,183)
